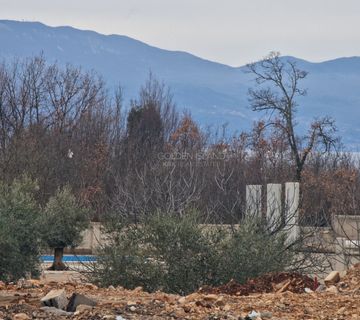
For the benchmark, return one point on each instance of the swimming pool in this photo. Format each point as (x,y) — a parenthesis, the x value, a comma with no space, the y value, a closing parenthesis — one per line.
(69,258)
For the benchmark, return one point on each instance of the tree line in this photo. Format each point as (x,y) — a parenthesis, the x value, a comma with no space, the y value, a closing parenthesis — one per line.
(61,125)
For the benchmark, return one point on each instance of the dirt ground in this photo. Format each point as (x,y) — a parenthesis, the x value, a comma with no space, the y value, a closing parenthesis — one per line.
(283,297)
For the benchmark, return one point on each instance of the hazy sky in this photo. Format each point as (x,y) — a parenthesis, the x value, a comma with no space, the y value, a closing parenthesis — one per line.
(229,31)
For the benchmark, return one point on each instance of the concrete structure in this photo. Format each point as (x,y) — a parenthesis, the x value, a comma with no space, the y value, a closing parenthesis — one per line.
(339,243)
(92,239)
(292,201)
(273,205)
(253,200)
(347,226)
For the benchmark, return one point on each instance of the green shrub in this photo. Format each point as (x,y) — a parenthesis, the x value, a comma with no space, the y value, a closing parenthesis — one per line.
(123,261)
(183,247)
(177,254)
(19,232)
(251,251)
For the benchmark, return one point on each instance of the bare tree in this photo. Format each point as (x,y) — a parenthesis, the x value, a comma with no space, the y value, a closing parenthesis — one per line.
(278,83)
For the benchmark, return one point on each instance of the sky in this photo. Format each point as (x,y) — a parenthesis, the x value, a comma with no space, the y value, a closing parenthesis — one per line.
(233,32)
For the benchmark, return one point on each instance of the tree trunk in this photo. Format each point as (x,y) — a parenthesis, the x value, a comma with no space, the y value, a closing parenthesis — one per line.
(58,260)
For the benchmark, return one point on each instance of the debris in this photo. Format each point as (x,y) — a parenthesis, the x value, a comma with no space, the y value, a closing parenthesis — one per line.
(321,288)
(83,307)
(332,278)
(182,300)
(272,282)
(258,299)
(341,311)
(284,287)
(265,315)
(227,307)
(55,298)
(332,289)
(79,299)
(210,297)
(21,316)
(56,311)
(253,315)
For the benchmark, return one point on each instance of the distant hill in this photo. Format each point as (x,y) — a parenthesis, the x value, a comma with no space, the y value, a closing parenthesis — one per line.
(214,93)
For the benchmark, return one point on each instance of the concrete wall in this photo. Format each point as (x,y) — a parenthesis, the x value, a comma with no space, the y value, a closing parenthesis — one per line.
(92,238)
(334,242)
(347,226)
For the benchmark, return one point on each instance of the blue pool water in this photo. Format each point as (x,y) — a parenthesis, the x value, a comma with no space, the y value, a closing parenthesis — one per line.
(69,258)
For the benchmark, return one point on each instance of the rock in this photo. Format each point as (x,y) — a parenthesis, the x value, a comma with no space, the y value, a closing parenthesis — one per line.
(227,307)
(187,308)
(109,317)
(332,278)
(27,283)
(77,299)
(253,315)
(343,285)
(83,307)
(131,303)
(211,297)
(91,286)
(332,289)
(308,290)
(7,299)
(265,315)
(36,283)
(220,301)
(56,311)
(112,288)
(21,316)
(341,311)
(182,300)
(55,298)
(321,288)
(132,308)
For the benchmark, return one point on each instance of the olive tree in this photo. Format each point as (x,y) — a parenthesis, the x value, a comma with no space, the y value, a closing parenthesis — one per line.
(19,232)
(64,219)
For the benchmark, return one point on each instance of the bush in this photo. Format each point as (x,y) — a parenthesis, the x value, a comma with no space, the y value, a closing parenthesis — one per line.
(19,232)
(251,251)
(179,255)
(183,247)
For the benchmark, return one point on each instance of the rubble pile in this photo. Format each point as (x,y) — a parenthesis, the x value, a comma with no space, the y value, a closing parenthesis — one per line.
(352,278)
(272,282)
(267,297)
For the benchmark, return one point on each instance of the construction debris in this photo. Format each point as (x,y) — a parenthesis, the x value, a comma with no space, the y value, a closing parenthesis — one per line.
(55,298)
(273,282)
(332,278)
(277,296)
(77,300)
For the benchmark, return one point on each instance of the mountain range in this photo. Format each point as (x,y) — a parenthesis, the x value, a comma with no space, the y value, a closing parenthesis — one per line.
(214,93)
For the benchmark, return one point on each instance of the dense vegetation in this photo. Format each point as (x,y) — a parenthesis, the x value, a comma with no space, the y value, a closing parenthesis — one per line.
(178,254)
(63,128)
